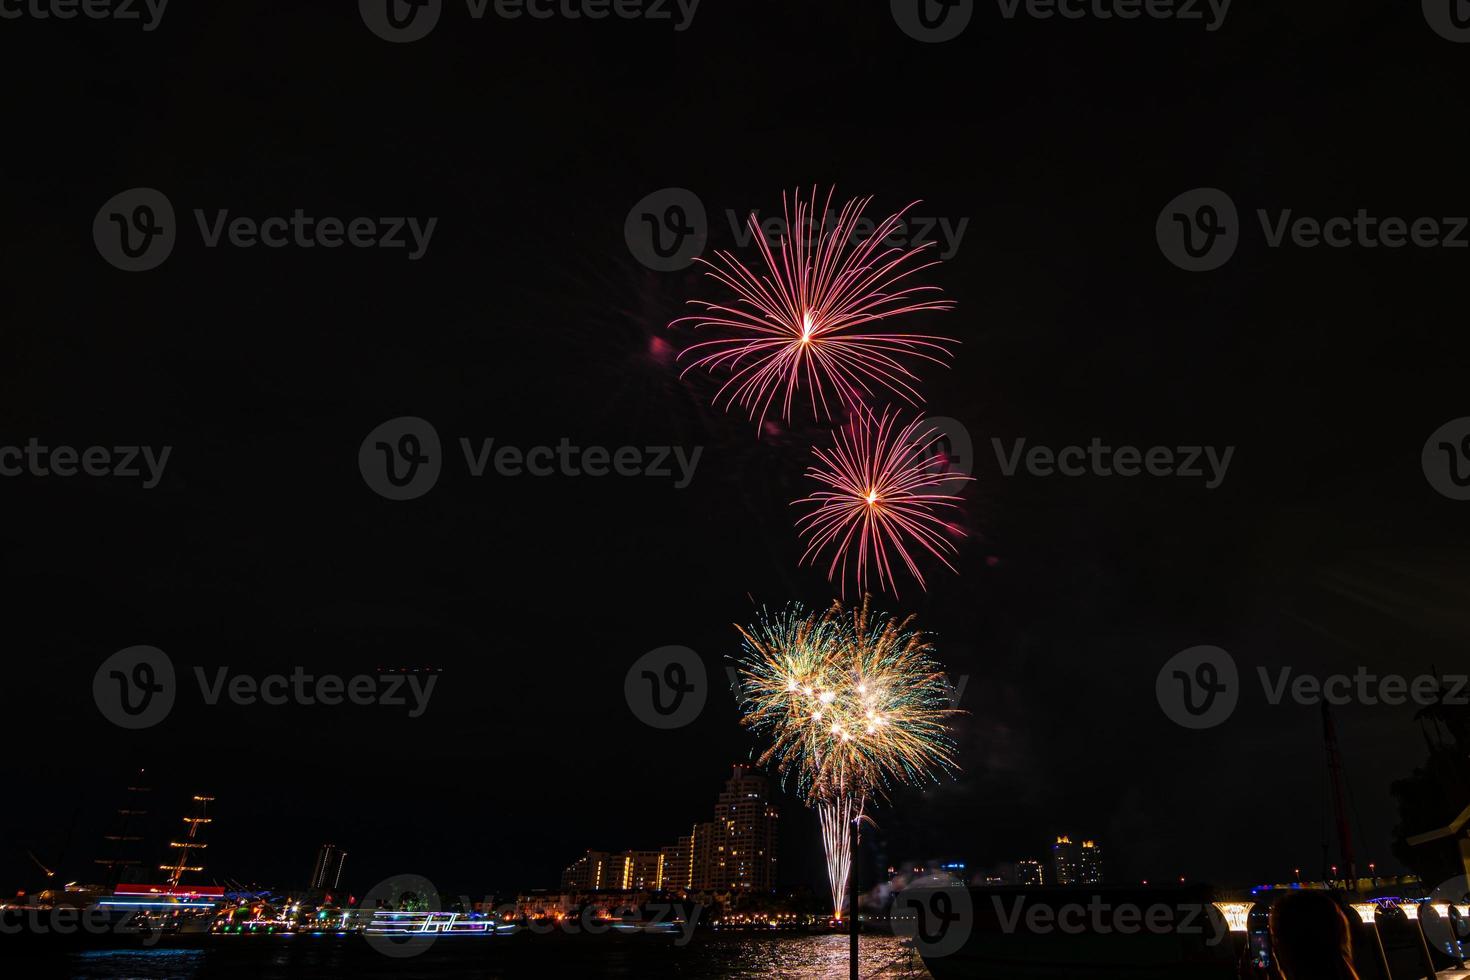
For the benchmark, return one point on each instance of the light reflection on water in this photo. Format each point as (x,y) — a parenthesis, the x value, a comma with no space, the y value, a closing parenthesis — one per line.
(710,956)
(817,958)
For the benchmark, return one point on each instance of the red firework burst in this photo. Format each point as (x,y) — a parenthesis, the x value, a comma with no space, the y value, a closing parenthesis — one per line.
(806,320)
(879,501)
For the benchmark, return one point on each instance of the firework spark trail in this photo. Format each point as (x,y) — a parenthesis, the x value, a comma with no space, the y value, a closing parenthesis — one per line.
(852,702)
(880,500)
(838,817)
(800,323)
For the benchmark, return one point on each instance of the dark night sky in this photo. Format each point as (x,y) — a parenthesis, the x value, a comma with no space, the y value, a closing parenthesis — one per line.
(529,321)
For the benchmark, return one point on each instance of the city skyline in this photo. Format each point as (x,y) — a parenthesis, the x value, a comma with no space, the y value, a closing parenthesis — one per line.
(733,852)
(1258,460)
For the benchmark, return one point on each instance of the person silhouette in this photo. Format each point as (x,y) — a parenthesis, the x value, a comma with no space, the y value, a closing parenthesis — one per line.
(1311,938)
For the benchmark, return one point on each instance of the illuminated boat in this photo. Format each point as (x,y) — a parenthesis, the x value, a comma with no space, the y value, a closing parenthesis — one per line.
(166,909)
(387,922)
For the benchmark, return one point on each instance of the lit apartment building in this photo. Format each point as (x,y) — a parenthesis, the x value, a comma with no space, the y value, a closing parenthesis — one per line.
(1090,863)
(1030,873)
(678,865)
(741,854)
(736,851)
(1064,861)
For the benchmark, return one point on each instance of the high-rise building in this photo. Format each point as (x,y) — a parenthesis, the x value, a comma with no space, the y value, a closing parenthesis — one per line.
(1030,873)
(736,851)
(706,867)
(1064,861)
(745,834)
(641,870)
(587,873)
(625,871)
(1090,863)
(326,874)
(678,865)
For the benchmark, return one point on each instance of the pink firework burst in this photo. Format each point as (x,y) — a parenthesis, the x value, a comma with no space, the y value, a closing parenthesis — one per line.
(806,320)
(880,501)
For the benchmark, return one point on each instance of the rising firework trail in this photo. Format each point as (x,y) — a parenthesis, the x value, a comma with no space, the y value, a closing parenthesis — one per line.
(804,324)
(879,502)
(852,701)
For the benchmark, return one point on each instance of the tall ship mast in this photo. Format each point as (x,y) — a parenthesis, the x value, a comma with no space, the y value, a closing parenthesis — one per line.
(122,845)
(190,843)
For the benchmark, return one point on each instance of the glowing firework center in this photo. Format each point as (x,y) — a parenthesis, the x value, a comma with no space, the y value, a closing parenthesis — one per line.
(851,701)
